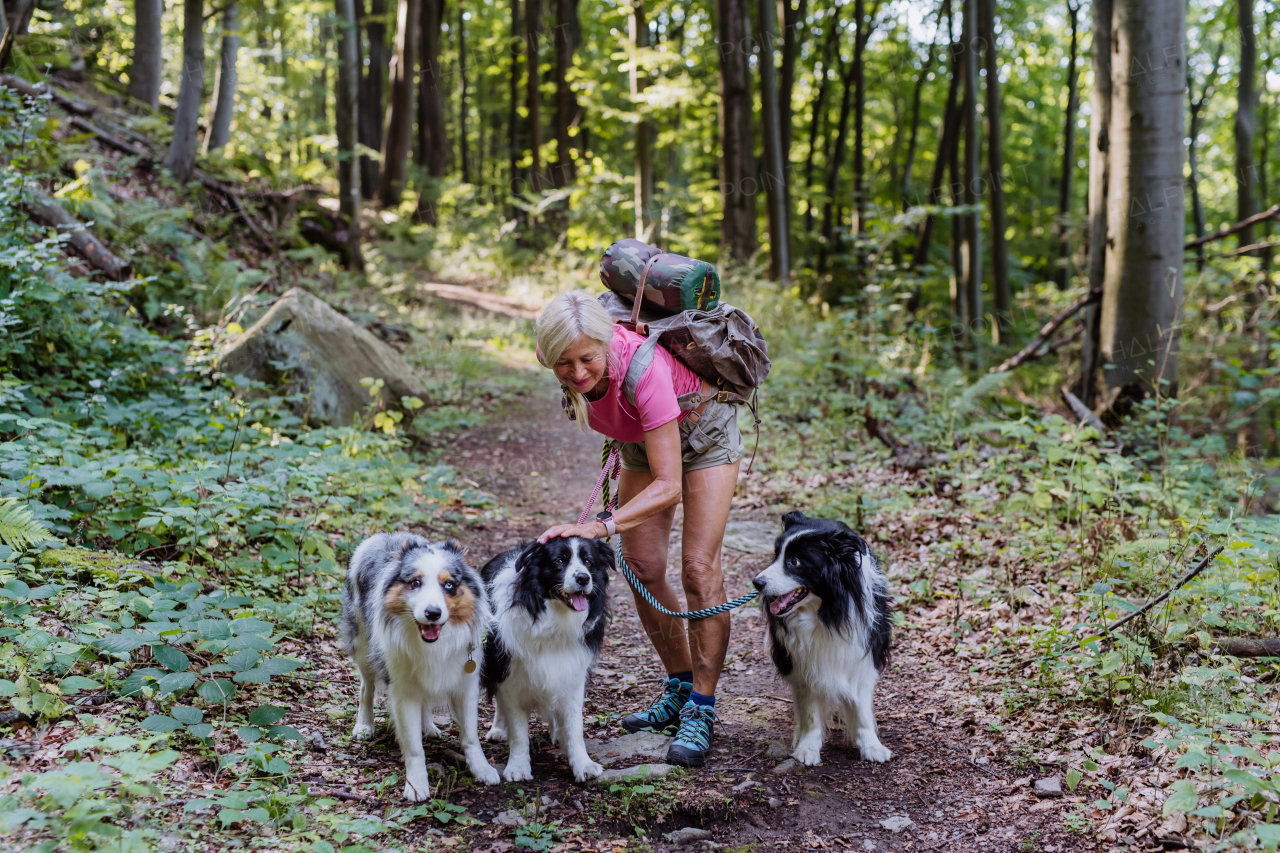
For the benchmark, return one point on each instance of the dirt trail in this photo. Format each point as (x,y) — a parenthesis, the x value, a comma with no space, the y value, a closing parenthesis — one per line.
(950,781)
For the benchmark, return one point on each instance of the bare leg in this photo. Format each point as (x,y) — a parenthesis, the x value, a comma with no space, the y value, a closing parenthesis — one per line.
(408,719)
(707,495)
(517,718)
(806,742)
(645,549)
(464,713)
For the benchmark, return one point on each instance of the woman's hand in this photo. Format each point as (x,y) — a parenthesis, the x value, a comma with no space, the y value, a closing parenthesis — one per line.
(590,530)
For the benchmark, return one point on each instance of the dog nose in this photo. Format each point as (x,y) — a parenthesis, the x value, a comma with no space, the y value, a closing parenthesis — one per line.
(432,614)
(758,584)
(582,579)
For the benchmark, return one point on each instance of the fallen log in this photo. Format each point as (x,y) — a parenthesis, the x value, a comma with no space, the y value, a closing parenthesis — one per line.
(1027,353)
(35,90)
(48,210)
(1081,410)
(112,141)
(1245,647)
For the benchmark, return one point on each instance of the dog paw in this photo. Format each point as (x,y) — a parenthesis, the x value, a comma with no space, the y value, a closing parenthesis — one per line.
(496,735)
(808,755)
(485,774)
(362,731)
(877,752)
(590,770)
(430,730)
(517,771)
(417,792)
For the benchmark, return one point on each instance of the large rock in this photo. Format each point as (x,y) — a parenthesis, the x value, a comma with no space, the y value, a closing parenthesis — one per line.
(648,745)
(302,344)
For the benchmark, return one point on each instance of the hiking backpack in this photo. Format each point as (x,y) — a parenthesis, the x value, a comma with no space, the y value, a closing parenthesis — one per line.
(718,342)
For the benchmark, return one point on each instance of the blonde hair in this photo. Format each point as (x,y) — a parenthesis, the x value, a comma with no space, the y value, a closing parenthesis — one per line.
(566,318)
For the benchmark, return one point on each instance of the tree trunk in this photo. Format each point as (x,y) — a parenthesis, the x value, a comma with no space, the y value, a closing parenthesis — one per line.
(347,113)
(1195,107)
(995,174)
(370,124)
(794,31)
(972,171)
(397,130)
(638,30)
(513,115)
(819,112)
(948,142)
(861,32)
(833,168)
(22,17)
(737,145)
(224,85)
(147,71)
(568,36)
(1099,191)
(1142,294)
(1246,122)
(774,171)
(793,36)
(181,159)
(913,136)
(533,95)
(431,130)
(1063,273)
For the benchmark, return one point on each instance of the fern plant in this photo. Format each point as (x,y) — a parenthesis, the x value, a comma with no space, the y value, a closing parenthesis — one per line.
(19,528)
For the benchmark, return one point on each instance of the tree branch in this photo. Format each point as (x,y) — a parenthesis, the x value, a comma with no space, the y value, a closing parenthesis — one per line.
(1027,353)
(1199,567)
(1272,212)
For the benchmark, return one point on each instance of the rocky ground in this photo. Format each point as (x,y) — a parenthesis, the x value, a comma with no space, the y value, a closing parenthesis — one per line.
(953,783)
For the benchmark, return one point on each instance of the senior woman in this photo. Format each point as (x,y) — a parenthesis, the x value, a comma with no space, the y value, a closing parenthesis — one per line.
(670,453)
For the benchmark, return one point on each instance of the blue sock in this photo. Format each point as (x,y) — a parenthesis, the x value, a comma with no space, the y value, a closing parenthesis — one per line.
(698,699)
(685,677)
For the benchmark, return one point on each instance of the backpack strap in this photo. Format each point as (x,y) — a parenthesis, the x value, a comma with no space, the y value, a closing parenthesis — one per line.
(640,362)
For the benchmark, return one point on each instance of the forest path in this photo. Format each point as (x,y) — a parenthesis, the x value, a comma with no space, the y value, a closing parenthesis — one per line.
(950,780)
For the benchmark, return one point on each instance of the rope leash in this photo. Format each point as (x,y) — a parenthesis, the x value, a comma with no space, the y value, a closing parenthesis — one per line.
(609,471)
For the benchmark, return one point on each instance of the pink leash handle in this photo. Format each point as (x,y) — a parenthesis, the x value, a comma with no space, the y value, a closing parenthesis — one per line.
(608,470)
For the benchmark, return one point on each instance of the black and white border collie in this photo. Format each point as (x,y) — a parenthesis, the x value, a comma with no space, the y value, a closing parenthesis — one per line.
(827,608)
(550,604)
(413,614)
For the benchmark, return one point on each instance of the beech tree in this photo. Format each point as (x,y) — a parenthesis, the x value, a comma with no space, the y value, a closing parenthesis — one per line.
(181,159)
(146,72)
(397,130)
(1143,286)
(348,110)
(638,30)
(370,118)
(738,186)
(224,85)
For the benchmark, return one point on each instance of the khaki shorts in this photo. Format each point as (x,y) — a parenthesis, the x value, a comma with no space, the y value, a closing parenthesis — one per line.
(714,440)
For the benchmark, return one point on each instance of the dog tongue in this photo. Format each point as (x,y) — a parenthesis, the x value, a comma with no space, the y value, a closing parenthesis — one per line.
(578,601)
(780,604)
(430,633)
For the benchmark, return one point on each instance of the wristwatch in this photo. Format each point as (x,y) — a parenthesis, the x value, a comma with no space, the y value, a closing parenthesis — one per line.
(606,518)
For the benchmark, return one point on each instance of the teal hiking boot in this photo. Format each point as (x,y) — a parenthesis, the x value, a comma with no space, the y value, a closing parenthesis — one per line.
(664,715)
(693,739)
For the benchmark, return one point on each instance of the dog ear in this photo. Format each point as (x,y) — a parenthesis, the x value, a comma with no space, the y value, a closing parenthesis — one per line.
(451,544)
(603,552)
(793,518)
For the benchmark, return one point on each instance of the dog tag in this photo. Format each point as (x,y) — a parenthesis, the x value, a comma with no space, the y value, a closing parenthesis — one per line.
(469,667)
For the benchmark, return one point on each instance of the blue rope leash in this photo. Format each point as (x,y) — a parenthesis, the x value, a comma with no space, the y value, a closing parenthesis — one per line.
(653,602)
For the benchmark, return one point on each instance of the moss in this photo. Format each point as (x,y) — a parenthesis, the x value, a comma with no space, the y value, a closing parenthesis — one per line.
(101,568)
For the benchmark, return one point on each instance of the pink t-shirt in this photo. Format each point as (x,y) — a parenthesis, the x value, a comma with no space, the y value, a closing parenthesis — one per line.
(664,381)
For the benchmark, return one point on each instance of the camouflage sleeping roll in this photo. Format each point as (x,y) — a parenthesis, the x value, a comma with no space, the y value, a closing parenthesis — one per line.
(675,283)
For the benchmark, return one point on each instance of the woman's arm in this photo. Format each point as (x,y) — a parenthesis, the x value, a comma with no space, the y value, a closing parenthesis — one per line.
(662,446)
